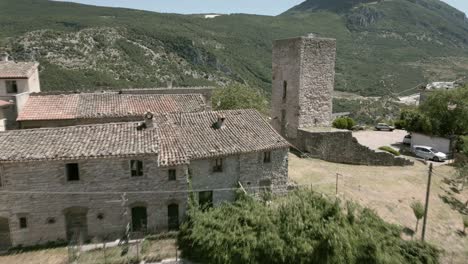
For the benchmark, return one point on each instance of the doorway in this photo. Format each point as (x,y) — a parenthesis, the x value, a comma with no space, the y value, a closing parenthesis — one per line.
(173,217)
(5,241)
(139,219)
(76,224)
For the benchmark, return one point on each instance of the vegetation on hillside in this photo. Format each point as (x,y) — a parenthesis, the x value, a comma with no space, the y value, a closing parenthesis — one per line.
(443,113)
(384,47)
(240,97)
(302,227)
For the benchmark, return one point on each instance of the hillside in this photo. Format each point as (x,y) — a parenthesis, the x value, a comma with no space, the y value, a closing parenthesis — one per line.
(383,46)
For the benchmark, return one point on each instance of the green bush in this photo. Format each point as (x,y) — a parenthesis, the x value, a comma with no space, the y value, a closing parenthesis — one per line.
(301,227)
(390,150)
(400,124)
(344,123)
(240,97)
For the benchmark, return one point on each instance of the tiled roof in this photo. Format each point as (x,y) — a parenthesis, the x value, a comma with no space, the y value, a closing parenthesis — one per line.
(245,131)
(78,142)
(107,105)
(4,103)
(17,70)
(176,139)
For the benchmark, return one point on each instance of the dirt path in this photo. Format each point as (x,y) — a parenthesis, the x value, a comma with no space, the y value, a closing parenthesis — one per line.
(390,191)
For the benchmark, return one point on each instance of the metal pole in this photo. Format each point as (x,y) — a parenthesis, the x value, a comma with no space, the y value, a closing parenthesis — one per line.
(337,175)
(427,202)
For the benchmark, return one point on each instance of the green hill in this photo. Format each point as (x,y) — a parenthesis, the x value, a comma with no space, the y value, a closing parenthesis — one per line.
(383,46)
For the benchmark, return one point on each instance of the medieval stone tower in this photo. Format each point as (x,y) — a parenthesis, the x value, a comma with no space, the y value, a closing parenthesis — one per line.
(303,82)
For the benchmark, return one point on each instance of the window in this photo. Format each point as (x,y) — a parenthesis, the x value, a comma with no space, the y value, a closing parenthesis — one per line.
(73,172)
(23,222)
(218,167)
(11,87)
(285,90)
(205,199)
(172,174)
(136,167)
(267,157)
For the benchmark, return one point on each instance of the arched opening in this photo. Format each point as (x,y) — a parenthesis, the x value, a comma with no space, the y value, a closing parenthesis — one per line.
(139,219)
(5,241)
(76,224)
(173,216)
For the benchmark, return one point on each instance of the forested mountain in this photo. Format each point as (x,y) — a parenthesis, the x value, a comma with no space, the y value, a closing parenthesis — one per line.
(384,47)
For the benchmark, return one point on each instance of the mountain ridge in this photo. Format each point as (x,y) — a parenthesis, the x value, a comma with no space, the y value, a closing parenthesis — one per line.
(384,47)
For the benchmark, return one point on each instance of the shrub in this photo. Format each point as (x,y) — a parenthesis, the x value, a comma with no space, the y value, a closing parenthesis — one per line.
(400,124)
(344,123)
(301,227)
(390,150)
(239,97)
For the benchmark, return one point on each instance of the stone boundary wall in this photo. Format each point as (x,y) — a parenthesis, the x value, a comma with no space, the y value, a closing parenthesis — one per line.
(341,147)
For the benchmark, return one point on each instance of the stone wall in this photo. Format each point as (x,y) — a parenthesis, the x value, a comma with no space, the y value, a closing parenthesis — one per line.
(303,82)
(42,193)
(341,147)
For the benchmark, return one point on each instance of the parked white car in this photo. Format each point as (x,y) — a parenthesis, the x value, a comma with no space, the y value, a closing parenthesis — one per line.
(407,140)
(429,153)
(383,126)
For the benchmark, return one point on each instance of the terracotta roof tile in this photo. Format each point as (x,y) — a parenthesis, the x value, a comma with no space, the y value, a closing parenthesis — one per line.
(107,105)
(78,142)
(176,139)
(195,137)
(17,70)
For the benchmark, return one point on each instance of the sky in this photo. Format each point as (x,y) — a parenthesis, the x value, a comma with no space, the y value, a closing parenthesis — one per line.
(261,7)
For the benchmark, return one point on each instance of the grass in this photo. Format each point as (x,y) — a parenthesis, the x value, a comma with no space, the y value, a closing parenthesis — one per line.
(390,192)
(390,150)
(150,250)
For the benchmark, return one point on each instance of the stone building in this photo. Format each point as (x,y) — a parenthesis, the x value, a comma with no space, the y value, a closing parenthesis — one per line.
(302,103)
(62,109)
(303,82)
(17,81)
(87,181)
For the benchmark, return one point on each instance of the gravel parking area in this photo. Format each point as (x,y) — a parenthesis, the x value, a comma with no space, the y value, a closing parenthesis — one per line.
(376,139)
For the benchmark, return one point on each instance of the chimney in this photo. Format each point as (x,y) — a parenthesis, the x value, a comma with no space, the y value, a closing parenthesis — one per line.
(220,122)
(169,84)
(4,57)
(149,120)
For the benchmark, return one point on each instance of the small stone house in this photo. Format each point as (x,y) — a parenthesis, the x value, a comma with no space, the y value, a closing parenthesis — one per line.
(81,182)
(62,109)
(17,81)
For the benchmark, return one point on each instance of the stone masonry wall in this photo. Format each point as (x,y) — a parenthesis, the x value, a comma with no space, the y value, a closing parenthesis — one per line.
(342,147)
(99,190)
(41,192)
(303,82)
(248,169)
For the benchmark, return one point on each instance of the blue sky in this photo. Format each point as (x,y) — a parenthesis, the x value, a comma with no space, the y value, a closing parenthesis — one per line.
(264,7)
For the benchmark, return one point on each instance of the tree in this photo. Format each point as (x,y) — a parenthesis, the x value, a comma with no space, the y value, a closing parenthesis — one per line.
(448,111)
(443,114)
(240,97)
(418,210)
(299,227)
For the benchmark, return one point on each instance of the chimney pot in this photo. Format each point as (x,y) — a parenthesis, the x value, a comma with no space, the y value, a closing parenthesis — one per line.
(149,120)
(4,57)
(220,122)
